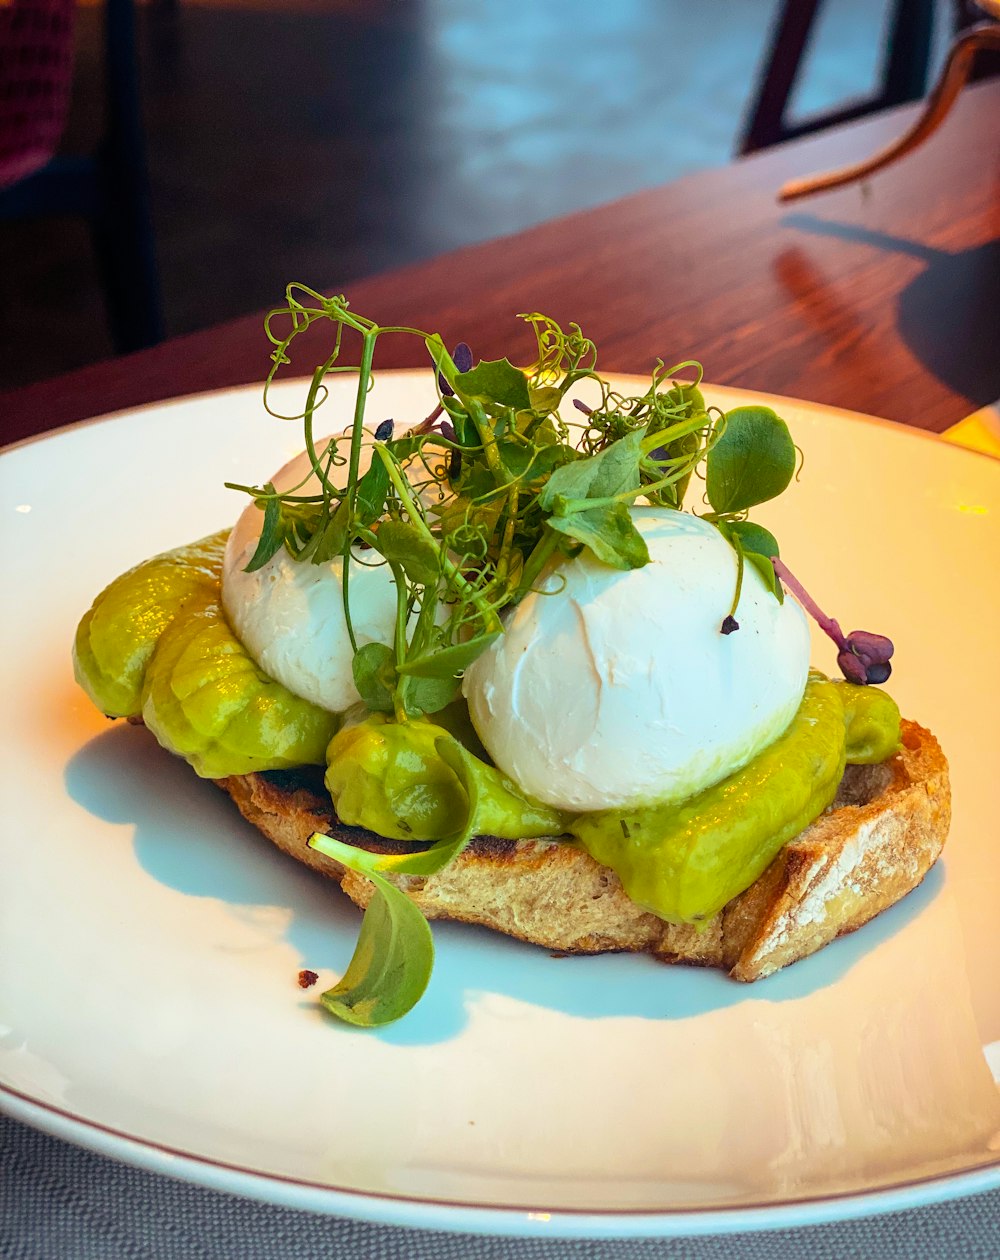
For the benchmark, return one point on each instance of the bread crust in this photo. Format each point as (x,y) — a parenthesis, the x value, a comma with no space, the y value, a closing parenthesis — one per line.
(876,842)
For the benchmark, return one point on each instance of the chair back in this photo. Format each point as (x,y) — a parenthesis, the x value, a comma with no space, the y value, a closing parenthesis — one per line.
(36,72)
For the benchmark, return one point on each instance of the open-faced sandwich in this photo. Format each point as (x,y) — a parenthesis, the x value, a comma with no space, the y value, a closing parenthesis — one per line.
(482,665)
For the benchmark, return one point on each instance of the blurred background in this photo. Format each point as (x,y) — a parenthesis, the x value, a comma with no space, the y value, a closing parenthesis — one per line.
(322,140)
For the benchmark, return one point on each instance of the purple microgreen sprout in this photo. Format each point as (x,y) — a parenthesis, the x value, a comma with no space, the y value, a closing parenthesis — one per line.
(863,657)
(580,405)
(729,624)
(384,431)
(461,356)
(427,426)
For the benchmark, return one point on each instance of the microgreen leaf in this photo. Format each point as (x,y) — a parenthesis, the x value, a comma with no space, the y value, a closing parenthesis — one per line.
(449,661)
(613,470)
(462,513)
(544,398)
(374,673)
(439,353)
(610,533)
(529,462)
(496,380)
(765,568)
(444,851)
(427,694)
(372,489)
(331,539)
(394,956)
(407,546)
(688,395)
(754,537)
(759,545)
(752,462)
(271,533)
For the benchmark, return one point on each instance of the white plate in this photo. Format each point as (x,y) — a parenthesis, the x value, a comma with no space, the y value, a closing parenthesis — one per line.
(150,940)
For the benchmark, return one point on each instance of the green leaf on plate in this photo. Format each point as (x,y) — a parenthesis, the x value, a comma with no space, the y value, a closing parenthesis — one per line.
(393,959)
(427,694)
(444,851)
(372,489)
(765,568)
(754,537)
(687,395)
(272,533)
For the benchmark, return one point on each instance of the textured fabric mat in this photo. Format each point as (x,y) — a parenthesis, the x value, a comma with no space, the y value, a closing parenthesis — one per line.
(58,1202)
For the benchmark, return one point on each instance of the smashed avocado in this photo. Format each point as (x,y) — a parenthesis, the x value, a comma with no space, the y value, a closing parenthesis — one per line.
(685,862)
(205,698)
(118,633)
(391,778)
(157,643)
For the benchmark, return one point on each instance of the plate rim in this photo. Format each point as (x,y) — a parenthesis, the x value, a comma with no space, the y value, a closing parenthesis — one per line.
(768,398)
(511,1220)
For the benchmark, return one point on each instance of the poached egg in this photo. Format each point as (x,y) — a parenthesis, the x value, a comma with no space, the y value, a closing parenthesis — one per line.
(616,689)
(289,615)
(609,689)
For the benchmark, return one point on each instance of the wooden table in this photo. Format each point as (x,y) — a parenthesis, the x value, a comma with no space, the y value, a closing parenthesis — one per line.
(882,299)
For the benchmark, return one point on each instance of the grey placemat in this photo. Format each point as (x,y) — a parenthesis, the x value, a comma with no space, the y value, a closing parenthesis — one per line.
(58,1202)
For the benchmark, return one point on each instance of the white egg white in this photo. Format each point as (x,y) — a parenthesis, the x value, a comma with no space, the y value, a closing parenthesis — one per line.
(289,615)
(617,689)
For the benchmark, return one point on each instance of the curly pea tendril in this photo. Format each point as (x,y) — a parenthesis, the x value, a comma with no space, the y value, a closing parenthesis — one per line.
(471,507)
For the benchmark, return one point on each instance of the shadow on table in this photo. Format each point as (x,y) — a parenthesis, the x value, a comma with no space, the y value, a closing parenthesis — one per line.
(947,315)
(188,837)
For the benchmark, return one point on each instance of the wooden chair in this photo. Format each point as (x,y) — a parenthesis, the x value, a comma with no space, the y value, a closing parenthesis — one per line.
(903,75)
(975,49)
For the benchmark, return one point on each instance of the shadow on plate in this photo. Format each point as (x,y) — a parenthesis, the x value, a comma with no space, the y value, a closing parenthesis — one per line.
(189,837)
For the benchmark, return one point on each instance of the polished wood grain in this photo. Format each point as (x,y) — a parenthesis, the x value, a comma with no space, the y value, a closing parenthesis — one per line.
(881,299)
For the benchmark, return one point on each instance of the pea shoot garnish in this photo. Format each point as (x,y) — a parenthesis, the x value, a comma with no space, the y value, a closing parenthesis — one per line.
(471,508)
(473,505)
(863,656)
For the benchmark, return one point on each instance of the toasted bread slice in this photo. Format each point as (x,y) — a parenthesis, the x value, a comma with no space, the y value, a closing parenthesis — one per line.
(875,843)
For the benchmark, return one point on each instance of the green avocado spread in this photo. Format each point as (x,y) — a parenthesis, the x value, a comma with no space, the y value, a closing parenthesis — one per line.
(156,644)
(685,862)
